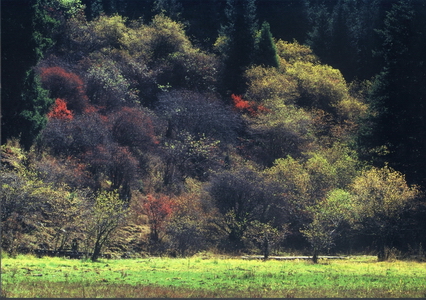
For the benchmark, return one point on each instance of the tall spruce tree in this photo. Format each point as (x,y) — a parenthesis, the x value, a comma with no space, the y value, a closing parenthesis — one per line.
(318,39)
(239,43)
(17,56)
(36,105)
(399,91)
(171,8)
(342,34)
(266,51)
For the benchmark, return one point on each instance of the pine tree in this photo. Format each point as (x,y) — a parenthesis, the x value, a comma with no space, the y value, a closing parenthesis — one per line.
(171,8)
(342,35)
(399,93)
(319,36)
(36,105)
(266,51)
(17,56)
(239,33)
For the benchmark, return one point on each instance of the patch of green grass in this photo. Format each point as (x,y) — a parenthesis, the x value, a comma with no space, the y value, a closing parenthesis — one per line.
(28,276)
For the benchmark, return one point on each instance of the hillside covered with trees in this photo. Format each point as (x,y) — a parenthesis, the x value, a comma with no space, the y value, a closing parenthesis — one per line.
(172,126)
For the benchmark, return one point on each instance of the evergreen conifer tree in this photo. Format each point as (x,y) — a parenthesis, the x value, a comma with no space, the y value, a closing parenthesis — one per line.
(266,51)
(17,56)
(399,92)
(239,33)
(36,105)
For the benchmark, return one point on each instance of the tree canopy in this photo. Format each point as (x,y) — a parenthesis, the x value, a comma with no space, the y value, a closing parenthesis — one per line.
(177,126)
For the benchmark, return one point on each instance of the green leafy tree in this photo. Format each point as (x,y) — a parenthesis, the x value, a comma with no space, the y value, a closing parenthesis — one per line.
(264,236)
(380,198)
(107,214)
(328,218)
(35,214)
(189,156)
(285,130)
(186,235)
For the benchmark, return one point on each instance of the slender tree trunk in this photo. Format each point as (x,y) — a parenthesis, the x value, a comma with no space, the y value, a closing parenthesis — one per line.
(96,251)
(381,251)
(265,248)
(315,256)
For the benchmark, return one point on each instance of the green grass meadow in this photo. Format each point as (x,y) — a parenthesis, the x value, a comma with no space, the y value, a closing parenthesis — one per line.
(205,276)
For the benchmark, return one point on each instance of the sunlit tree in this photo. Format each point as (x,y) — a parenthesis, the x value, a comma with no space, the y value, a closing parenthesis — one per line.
(381,196)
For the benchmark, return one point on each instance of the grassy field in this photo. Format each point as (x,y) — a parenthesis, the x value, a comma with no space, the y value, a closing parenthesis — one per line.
(209,276)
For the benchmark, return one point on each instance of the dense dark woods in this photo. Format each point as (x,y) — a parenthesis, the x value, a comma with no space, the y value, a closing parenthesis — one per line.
(244,126)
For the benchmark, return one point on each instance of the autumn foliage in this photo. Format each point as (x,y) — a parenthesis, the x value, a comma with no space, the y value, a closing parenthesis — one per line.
(65,85)
(60,111)
(132,127)
(250,107)
(134,113)
(158,209)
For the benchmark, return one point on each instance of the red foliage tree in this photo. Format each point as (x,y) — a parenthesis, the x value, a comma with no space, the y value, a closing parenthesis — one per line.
(249,107)
(158,209)
(60,111)
(65,85)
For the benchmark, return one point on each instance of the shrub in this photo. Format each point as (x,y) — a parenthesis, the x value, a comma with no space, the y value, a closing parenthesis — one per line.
(65,85)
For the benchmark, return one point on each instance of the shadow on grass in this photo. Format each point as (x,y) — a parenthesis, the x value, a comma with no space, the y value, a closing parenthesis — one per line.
(107,290)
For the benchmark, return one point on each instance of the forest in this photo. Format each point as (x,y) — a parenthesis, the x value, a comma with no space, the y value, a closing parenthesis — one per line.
(170,127)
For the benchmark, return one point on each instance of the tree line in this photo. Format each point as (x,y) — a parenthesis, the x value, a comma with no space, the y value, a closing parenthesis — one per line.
(173,126)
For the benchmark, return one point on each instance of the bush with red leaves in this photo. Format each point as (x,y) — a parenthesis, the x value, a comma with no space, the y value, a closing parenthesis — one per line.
(250,107)
(60,111)
(158,209)
(65,85)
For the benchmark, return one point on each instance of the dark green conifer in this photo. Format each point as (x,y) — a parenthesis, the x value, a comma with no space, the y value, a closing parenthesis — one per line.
(266,51)
(36,105)
(238,51)
(399,93)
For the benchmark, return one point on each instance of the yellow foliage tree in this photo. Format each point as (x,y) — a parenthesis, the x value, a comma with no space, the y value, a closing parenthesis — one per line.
(107,214)
(380,196)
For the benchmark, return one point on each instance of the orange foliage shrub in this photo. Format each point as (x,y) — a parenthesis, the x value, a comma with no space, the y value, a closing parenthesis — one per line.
(65,85)
(158,209)
(60,111)
(249,107)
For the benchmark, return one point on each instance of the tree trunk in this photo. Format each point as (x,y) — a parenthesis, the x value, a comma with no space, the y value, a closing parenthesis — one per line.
(315,257)
(265,248)
(381,251)
(96,251)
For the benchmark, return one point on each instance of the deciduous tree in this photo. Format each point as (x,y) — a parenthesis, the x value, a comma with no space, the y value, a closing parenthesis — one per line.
(242,197)
(158,209)
(199,114)
(328,218)
(107,214)
(65,85)
(380,198)
(60,111)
